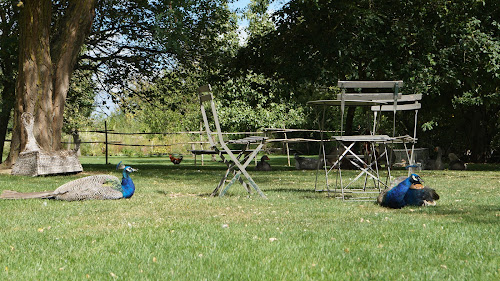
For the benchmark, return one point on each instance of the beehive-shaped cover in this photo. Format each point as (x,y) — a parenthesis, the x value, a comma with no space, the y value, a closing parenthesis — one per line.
(34,161)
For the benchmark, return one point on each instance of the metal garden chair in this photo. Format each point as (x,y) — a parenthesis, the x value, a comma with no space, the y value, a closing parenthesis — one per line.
(387,95)
(238,159)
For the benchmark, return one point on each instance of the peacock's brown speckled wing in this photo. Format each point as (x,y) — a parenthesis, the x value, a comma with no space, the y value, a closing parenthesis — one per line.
(91,187)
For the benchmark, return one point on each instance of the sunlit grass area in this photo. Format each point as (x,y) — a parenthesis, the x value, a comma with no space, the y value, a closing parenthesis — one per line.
(172,230)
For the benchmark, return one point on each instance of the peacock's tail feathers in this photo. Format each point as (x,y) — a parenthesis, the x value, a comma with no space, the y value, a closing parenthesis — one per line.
(381,196)
(433,194)
(10,194)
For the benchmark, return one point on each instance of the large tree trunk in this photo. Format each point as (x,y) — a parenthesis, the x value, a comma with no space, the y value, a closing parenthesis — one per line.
(349,121)
(47,55)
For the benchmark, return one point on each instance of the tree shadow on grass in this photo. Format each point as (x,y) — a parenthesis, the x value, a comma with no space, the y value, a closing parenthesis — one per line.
(485,214)
(289,190)
(308,193)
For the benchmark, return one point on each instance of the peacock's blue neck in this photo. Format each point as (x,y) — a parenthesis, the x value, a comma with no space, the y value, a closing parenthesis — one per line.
(128,187)
(396,195)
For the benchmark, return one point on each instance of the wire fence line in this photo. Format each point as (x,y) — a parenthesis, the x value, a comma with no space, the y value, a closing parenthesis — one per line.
(112,132)
(106,142)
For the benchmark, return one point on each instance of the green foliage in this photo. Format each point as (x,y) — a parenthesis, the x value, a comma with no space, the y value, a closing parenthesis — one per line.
(152,55)
(199,35)
(121,46)
(174,104)
(203,44)
(79,102)
(259,21)
(446,50)
(254,102)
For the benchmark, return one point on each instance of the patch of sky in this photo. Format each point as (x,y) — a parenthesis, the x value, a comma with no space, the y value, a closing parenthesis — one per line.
(239,6)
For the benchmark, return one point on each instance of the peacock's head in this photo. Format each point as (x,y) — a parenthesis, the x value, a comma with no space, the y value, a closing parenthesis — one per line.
(126,169)
(129,169)
(415,179)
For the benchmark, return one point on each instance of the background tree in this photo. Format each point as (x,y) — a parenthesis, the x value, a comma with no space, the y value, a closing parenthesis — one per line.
(259,19)
(48,51)
(120,49)
(448,51)
(202,41)
(161,51)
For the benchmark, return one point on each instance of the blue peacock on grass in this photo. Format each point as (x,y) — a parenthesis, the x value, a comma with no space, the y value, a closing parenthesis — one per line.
(408,192)
(100,187)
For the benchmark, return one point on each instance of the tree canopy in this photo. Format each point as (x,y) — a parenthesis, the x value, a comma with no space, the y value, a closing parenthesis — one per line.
(447,50)
(153,54)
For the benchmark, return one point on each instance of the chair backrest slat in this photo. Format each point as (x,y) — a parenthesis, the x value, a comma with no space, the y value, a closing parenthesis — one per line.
(205,89)
(368,96)
(204,98)
(205,94)
(402,99)
(370,84)
(399,107)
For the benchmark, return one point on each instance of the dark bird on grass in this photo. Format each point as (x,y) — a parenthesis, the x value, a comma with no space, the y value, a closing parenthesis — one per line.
(436,164)
(456,163)
(175,160)
(262,165)
(102,187)
(302,163)
(400,195)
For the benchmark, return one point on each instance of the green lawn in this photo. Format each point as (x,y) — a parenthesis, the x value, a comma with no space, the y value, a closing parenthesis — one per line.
(171,230)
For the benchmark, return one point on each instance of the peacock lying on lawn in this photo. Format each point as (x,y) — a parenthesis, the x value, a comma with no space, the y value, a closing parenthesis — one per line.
(103,187)
(408,192)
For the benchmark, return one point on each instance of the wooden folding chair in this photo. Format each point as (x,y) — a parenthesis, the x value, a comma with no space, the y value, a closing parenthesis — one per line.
(238,160)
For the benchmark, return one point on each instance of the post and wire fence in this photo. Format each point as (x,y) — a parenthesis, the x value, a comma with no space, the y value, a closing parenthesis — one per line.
(165,143)
(103,140)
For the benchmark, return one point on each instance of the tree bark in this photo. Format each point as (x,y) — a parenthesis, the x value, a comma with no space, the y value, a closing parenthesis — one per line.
(349,121)
(47,56)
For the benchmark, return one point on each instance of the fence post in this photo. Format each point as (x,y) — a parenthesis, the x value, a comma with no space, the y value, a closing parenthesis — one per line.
(287,146)
(106,139)
(201,142)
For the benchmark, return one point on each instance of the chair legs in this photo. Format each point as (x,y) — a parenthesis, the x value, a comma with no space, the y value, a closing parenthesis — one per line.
(366,167)
(236,168)
(230,169)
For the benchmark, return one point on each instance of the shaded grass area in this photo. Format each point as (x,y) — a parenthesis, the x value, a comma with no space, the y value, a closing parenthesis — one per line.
(172,230)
